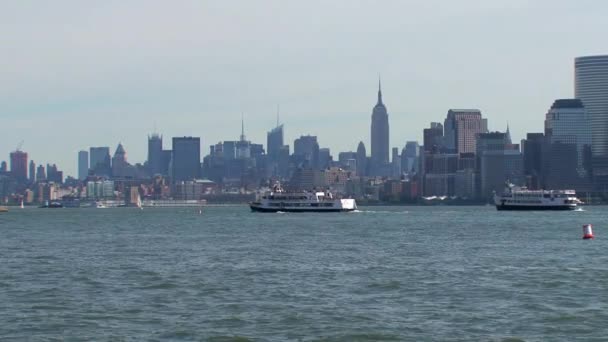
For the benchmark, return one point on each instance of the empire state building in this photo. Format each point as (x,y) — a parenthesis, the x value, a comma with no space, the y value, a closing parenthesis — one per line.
(379,138)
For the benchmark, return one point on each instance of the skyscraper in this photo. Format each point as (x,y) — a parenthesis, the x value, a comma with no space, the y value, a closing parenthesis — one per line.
(533,147)
(396,162)
(591,86)
(409,157)
(274,142)
(361,160)
(83,165)
(379,137)
(567,127)
(155,151)
(186,159)
(461,127)
(100,160)
(32,173)
(120,166)
(432,137)
(306,150)
(40,174)
(19,165)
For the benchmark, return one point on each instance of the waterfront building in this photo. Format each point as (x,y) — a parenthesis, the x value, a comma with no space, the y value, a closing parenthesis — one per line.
(361,160)
(3,167)
(379,137)
(19,166)
(100,189)
(100,161)
(439,172)
(83,165)
(186,160)
(591,86)
(32,172)
(155,154)
(461,127)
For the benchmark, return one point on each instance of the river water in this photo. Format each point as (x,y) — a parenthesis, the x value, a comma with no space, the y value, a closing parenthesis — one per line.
(380,274)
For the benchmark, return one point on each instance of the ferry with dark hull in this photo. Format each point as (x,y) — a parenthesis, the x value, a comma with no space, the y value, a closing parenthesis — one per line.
(520,198)
(279,200)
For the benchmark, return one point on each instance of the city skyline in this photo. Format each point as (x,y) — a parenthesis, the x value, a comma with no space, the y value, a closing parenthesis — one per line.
(189,80)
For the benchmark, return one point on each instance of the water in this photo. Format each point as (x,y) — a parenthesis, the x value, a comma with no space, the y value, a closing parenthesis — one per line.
(381,274)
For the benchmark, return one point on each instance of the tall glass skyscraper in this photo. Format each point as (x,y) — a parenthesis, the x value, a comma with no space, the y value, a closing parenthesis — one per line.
(591,86)
(567,126)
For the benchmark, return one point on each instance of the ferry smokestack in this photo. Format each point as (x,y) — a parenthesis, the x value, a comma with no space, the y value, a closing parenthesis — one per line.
(587,232)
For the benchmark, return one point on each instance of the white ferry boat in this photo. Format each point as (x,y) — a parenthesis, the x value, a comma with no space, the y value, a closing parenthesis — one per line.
(520,198)
(302,201)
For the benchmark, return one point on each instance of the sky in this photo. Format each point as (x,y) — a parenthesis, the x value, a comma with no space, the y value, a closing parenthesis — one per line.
(75,74)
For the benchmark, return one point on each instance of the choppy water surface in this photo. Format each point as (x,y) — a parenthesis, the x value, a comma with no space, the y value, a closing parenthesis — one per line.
(385,273)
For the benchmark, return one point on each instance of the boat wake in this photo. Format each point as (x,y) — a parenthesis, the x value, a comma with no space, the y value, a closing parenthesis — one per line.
(579,209)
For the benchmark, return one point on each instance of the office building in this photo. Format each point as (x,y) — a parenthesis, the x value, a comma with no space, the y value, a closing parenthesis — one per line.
(306,151)
(361,160)
(461,127)
(533,147)
(186,159)
(498,162)
(274,142)
(155,154)
(591,87)
(409,157)
(100,161)
(40,174)
(19,166)
(32,172)
(396,163)
(568,131)
(83,165)
(433,137)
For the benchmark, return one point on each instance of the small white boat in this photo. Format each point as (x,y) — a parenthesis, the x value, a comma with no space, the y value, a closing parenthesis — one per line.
(100,205)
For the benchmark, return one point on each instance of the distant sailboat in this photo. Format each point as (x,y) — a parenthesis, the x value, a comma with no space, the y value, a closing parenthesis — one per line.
(22,206)
(139,203)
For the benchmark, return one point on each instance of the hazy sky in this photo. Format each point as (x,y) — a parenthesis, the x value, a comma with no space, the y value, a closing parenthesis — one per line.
(75,74)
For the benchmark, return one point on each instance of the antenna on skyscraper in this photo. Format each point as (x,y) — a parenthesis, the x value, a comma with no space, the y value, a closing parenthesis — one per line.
(242,126)
(278,108)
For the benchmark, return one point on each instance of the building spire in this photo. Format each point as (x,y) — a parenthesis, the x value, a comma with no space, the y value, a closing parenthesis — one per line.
(278,108)
(508,135)
(242,127)
(379,90)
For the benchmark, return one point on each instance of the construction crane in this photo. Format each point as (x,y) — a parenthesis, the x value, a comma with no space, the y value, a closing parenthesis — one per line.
(19,146)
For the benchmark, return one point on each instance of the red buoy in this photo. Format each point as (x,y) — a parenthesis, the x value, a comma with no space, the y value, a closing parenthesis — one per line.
(587,232)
